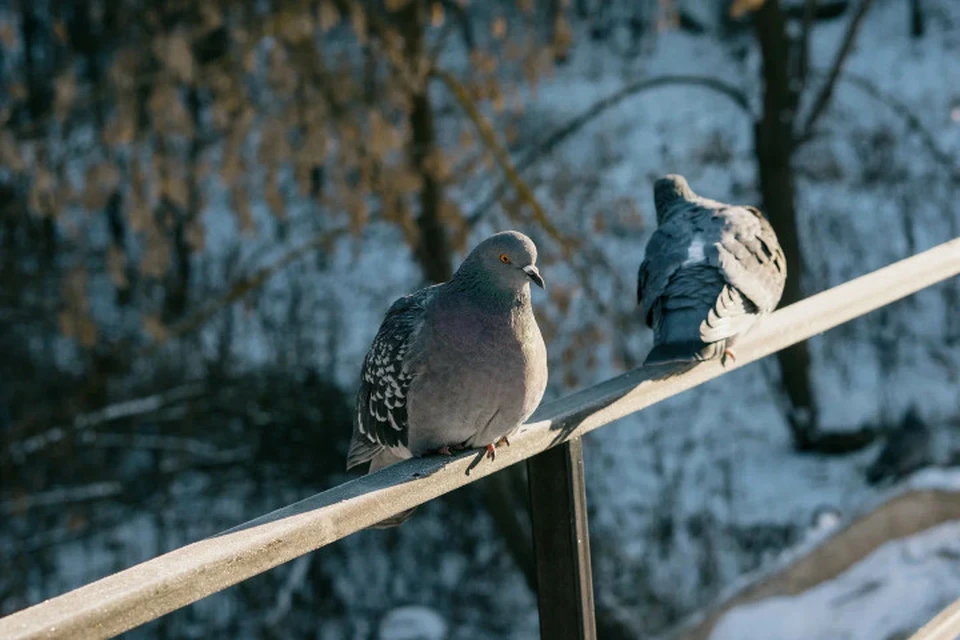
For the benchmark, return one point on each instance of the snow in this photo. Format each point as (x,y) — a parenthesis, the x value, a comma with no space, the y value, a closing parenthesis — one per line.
(413,623)
(895,590)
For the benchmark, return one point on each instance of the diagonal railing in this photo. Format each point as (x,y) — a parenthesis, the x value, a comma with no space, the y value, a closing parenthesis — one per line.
(168,582)
(945,626)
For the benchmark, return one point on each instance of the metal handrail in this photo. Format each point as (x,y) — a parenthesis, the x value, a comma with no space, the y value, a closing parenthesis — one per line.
(173,580)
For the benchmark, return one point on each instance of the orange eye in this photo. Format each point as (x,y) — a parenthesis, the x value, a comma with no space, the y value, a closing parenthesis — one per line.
(504,258)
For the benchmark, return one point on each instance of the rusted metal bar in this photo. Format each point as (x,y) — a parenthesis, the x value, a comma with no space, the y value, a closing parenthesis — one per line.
(561,543)
(153,588)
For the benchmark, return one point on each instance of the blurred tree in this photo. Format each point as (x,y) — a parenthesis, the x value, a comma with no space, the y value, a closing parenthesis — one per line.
(777,134)
(123,121)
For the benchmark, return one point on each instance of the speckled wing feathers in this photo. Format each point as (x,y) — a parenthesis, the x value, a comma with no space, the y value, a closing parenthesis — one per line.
(751,258)
(381,419)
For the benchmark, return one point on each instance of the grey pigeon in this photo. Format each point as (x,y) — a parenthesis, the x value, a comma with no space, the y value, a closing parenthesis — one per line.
(455,365)
(710,271)
(908,449)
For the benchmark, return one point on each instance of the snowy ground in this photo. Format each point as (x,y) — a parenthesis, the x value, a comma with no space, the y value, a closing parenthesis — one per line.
(889,595)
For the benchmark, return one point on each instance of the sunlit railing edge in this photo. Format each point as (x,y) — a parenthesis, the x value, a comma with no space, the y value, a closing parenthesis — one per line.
(163,584)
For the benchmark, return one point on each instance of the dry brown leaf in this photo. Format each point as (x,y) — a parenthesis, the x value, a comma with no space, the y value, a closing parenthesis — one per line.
(42,194)
(240,203)
(436,14)
(60,31)
(499,28)
(272,195)
(17,90)
(117,266)
(174,188)
(358,20)
(121,129)
(155,328)
(179,56)
(562,37)
(274,144)
(8,34)
(66,324)
(140,218)
(295,27)
(329,16)
(156,255)
(74,287)
(211,14)
(407,181)
(86,331)
(65,94)
(436,165)
(450,213)
(196,235)
(356,205)
(738,8)
(10,156)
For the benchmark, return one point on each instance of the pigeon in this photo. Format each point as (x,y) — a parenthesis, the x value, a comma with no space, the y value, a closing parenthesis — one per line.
(455,365)
(710,271)
(908,449)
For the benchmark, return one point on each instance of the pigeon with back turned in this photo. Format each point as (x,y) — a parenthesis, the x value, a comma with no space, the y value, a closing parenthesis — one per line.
(710,271)
(455,365)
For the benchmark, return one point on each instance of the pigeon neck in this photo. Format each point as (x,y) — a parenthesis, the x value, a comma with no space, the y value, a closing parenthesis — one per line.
(487,295)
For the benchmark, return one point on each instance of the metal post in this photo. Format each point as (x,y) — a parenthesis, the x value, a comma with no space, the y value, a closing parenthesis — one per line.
(561,543)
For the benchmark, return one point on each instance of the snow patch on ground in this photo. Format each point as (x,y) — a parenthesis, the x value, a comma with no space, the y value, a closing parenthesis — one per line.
(891,593)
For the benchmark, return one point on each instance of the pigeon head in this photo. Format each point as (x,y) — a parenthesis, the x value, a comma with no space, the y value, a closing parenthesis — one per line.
(667,191)
(505,262)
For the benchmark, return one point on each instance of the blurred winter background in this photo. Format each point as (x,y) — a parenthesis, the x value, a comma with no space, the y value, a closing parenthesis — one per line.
(206,207)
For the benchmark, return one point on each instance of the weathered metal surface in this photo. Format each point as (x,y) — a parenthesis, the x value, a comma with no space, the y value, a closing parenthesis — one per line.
(561,543)
(153,588)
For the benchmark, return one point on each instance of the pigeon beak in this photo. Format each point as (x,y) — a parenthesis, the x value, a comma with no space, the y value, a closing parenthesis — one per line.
(534,274)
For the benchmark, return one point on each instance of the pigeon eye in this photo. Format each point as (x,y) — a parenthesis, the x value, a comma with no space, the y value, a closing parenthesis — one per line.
(504,258)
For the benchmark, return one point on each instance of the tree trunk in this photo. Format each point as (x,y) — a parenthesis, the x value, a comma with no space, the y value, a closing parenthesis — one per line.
(432,250)
(774,146)
(916,19)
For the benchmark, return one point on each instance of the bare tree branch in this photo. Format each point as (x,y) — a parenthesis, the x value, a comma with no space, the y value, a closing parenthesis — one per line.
(489,137)
(567,244)
(823,98)
(803,55)
(547,145)
(61,496)
(110,413)
(911,119)
(238,290)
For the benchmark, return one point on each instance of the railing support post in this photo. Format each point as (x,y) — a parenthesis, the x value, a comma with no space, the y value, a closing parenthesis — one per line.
(561,543)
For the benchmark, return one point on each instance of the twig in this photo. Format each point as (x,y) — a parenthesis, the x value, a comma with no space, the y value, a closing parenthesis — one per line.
(489,136)
(61,496)
(913,122)
(466,29)
(294,583)
(237,291)
(175,444)
(574,125)
(823,98)
(803,56)
(110,413)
